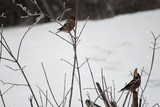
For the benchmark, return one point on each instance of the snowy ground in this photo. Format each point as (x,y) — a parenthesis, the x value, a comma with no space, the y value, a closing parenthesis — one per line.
(117,45)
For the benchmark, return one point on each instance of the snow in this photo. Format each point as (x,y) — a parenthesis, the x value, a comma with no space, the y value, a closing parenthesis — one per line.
(117,45)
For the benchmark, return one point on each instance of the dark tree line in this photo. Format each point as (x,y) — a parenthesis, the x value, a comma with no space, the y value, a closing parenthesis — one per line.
(95,9)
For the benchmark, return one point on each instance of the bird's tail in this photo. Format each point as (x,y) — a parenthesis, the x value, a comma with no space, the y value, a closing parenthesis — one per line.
(121,90)
(58,31)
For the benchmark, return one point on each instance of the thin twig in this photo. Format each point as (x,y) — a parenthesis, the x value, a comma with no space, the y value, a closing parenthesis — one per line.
(49,86)
(40,96)
(151,66)
(83,27)
(7,59)
(156,105)
(64,11)
(13,68)
(15,84)
(47,100)
(80,84)
(2,15)
(4,104)
(64,90)
(31,101)
(8,89)
(103,95)
(67,62)
(1,32)
(5,42)
(102,79)
(105,83)
(61,37)
(5,45)
(114,97)
(29,28)
(94,84)
(126,99)
(65,98)
(130,100)
(120,97)
(83,63)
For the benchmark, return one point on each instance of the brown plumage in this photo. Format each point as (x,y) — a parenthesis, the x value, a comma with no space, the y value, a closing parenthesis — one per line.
(134,83)
(89,103)
(68,26)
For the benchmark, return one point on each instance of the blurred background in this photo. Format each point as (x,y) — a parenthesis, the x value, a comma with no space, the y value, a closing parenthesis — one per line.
(10,12)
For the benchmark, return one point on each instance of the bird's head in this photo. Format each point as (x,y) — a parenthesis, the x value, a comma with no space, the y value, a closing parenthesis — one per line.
(88,103)
(72,18)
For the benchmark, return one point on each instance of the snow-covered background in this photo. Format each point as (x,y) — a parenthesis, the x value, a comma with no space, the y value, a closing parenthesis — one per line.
(117,45)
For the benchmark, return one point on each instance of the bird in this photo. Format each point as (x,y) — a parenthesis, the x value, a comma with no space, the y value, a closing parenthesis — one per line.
(134,83)
(68,26)
(89,103)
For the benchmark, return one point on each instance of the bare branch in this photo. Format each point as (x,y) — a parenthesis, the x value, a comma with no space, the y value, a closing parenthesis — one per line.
(83,27)
(41,98)
(114,90)
(120,97)
(2,15)
(8,89)
(125,99)
(15,84)
(31,101)
(103,95)
(64,90)
(156,105)
(61,37)
(132,101)
(49,86)
(29,14)
(67,62)
(94,84)
(105,84)
(64,11)
(47,100)
(65,98)
(4,105)
(83,63)
(5,44)
(7,59)
(1,49)
(29,28)
(13,68)
(151,66)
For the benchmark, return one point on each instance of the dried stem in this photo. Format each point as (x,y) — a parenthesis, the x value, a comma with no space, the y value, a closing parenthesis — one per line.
(31,101)
(64,91)
(135,99)
(46,96)
(49,86)
(4,105)
(75,65)
(15,60)
(15,84)
(151,66)
(103,95)
(94,84)
(29,28)
(125,99)
(40,96)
